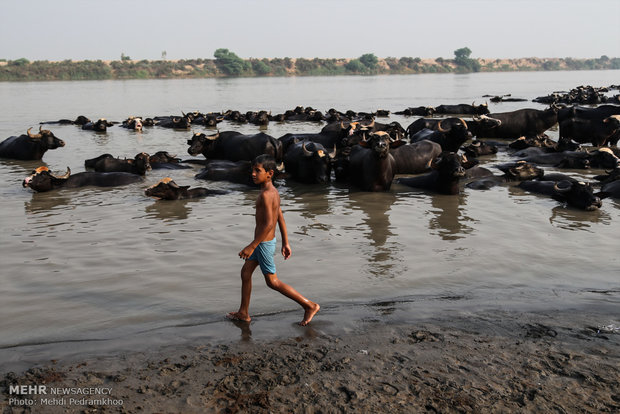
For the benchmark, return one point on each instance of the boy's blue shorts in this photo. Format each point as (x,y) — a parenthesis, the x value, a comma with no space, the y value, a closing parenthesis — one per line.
(263,254)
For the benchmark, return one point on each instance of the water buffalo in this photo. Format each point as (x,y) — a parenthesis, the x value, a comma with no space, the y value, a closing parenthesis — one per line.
(415,158)
(107,163)
(163,160)
(576,194)
(309,162)
(80,120)
(449,139)
(175,122)
(600,158)
(478,148)
(526,122)
(420,111)
(611,189)
(462,109)
(43,180)
(29,146)
(223,170)
(371,167)
(167,189)
(100,126)
(135,123)
(596,131)
(475,125)
(445,177)
(234,146)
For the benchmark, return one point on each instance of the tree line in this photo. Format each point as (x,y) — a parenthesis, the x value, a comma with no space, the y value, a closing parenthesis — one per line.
(227,64)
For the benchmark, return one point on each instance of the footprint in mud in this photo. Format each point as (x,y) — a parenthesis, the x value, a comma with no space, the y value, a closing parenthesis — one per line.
(425,336)
(539,331)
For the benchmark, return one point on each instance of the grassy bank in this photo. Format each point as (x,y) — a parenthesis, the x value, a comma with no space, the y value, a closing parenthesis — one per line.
(227,64)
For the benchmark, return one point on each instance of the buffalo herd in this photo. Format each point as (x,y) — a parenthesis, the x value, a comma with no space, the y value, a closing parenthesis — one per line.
(438,152)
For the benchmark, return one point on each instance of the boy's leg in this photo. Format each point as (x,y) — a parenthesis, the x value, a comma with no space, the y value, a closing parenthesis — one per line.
(310,307)
(246,291)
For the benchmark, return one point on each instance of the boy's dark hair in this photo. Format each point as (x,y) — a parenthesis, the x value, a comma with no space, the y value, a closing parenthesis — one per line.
(267,161)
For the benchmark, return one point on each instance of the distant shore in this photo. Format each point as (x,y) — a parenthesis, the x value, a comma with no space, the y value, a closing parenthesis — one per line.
(233,66)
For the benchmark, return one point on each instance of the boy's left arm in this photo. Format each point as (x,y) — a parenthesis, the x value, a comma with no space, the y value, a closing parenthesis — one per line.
(286,248)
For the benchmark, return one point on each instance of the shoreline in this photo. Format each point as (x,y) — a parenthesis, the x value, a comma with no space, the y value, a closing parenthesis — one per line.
(391,357)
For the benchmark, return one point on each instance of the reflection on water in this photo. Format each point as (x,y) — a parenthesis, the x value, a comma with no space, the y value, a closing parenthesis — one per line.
(383,254)
(568,218)
(449,218)
(169,209)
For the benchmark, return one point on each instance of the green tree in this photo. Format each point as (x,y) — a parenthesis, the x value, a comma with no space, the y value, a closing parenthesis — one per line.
(260,67)
(355,65)
(229,63)
(463,61)
(369,60)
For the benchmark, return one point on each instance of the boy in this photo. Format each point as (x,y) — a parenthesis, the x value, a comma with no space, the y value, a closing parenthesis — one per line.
(260,252)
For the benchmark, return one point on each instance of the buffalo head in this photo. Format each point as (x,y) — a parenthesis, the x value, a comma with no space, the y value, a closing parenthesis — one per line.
(521,170)
(46,138)
(42,179)
(165,189)
(201,143)
(577,194)
(378,142)
(163,156)
(318,160)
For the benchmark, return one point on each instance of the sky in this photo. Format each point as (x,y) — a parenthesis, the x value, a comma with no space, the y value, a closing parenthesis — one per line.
(185,29)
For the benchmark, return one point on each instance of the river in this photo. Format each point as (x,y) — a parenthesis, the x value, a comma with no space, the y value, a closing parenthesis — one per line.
(104,265)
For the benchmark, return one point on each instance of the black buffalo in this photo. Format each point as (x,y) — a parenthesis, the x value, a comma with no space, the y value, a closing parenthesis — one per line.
(100,125)
(140,164)
(450,139)
(611,189)
(445,177)
(462,109)
(163,160)
(514,171)
(600,158)
(167,189)
(309,162)
(234,146)
(596,131)
(475,125)
(239,172)
(526,122)
(420,111)
(415,158)
(478,148)
(43,180)
(29,146)
(371,167)
(576,194)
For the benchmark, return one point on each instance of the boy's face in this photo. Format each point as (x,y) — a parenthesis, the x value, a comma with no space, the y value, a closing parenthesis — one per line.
(259,175)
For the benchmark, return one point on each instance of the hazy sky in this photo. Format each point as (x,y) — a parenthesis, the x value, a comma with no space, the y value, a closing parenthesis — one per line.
(142,29)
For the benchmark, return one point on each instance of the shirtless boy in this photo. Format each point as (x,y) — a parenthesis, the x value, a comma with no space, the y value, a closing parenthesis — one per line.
(261,251)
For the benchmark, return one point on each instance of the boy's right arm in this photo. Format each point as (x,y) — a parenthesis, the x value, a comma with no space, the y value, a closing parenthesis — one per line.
(286,248)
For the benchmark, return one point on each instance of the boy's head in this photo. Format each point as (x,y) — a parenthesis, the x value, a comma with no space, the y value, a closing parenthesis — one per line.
(267,161)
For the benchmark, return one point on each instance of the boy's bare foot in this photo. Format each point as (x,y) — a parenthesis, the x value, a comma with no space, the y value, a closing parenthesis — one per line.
(309,314)
(237,316)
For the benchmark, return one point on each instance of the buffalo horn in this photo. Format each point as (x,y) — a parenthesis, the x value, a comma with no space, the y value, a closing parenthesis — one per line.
(31,135)
(439,128)
(333,153)
(64,176)
(214,137)
(563,189)
(306,152)
(463,121)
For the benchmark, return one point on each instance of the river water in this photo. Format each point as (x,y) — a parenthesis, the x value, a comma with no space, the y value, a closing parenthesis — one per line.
(106,264)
